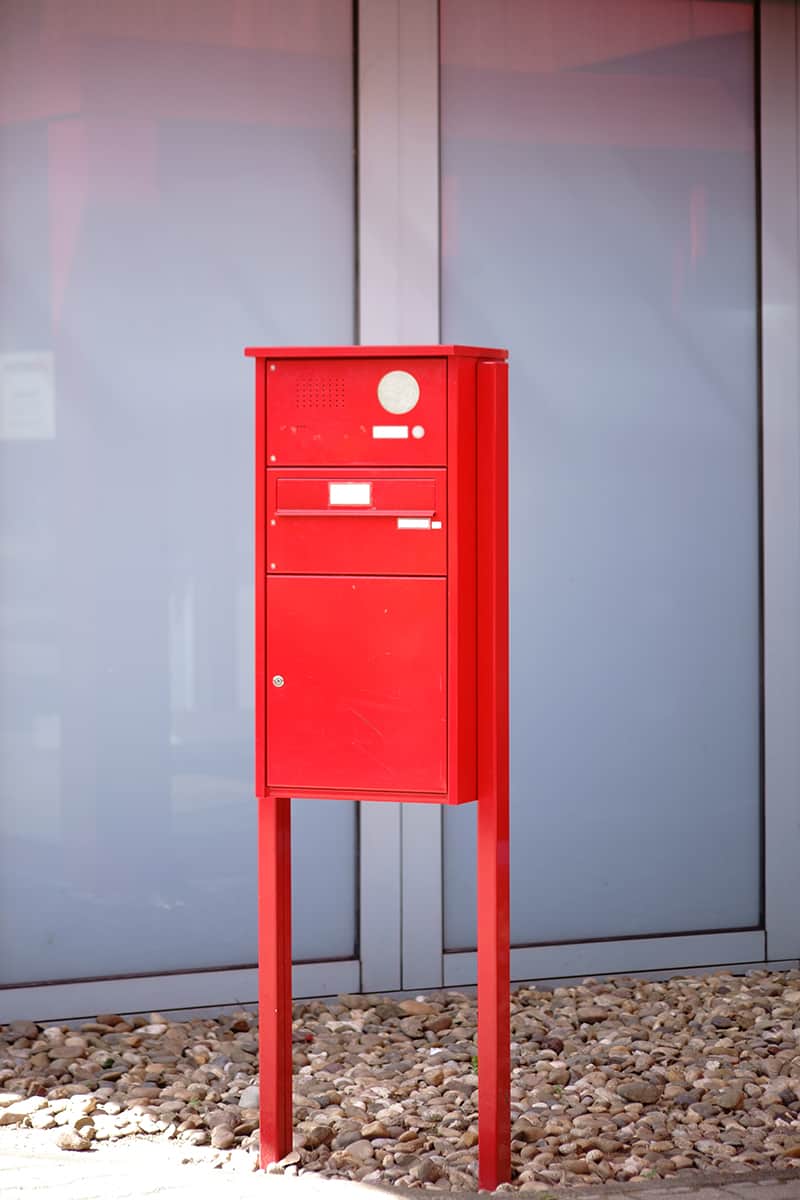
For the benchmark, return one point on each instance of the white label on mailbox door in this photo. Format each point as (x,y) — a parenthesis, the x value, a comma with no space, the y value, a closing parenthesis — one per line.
(349,493)
(390,431)
(413,522)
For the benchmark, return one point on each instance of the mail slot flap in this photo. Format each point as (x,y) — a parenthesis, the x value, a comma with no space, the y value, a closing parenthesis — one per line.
(377,497)
(315,521)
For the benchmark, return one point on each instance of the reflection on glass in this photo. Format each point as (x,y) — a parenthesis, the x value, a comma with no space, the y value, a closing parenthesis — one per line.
(599,220)
(175,182)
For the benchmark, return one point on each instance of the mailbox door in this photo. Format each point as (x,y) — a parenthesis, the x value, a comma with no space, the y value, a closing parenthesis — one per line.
(356,683)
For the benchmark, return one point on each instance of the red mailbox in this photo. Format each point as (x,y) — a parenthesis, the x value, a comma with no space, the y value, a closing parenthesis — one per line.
(381,638)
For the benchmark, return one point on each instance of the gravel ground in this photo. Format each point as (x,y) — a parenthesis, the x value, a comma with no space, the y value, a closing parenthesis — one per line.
(621,1081)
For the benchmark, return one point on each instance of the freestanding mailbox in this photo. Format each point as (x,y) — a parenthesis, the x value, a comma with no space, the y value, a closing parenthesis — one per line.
(381,669)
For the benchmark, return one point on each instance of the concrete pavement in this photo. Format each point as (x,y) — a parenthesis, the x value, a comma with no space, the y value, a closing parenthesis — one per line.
(33,1168)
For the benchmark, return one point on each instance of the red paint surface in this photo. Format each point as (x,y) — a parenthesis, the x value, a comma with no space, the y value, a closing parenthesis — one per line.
(391,648)
(461,578)
(381,352)
(364,703)
(260,582)
(275,977)
(335,389)
(494,1031)
(309,535)
(322,412)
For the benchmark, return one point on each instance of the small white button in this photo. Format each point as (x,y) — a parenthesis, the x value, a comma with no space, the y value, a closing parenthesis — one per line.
(418,431)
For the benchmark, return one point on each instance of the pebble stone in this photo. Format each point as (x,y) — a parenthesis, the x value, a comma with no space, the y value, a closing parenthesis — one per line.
(622,1081)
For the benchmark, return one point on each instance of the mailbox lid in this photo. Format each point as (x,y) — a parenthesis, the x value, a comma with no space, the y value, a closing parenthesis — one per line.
(332,412)
(380,522)
(363,703)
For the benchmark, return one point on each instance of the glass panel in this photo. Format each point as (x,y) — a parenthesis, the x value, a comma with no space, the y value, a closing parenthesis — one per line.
(599,220)
(176,180)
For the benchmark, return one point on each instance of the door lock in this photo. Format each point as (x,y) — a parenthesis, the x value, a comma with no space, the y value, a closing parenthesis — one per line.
(278,681)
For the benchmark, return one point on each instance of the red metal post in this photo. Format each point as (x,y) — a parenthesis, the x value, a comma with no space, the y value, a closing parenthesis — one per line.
(275,976)
(494,1031)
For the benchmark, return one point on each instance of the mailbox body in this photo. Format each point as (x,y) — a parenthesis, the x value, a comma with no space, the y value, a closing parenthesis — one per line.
(367,636)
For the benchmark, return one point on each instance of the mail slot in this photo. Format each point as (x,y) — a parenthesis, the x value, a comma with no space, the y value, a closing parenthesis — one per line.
(382,522)
(397,494)
(367,630)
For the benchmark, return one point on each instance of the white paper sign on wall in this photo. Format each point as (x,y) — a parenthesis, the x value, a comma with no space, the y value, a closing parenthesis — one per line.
(27,396)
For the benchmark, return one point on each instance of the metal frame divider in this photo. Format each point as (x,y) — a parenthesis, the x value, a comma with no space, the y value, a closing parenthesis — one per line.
(780,298)
(398,205)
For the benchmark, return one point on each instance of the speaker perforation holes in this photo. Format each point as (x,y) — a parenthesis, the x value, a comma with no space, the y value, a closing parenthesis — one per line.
(313,391)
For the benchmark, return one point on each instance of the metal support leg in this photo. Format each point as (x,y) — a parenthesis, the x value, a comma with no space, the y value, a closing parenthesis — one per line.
(494,1032)
(275,977)
(494,1035)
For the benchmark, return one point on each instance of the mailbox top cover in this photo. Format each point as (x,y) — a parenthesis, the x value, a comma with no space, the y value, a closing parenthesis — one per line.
(375,352)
